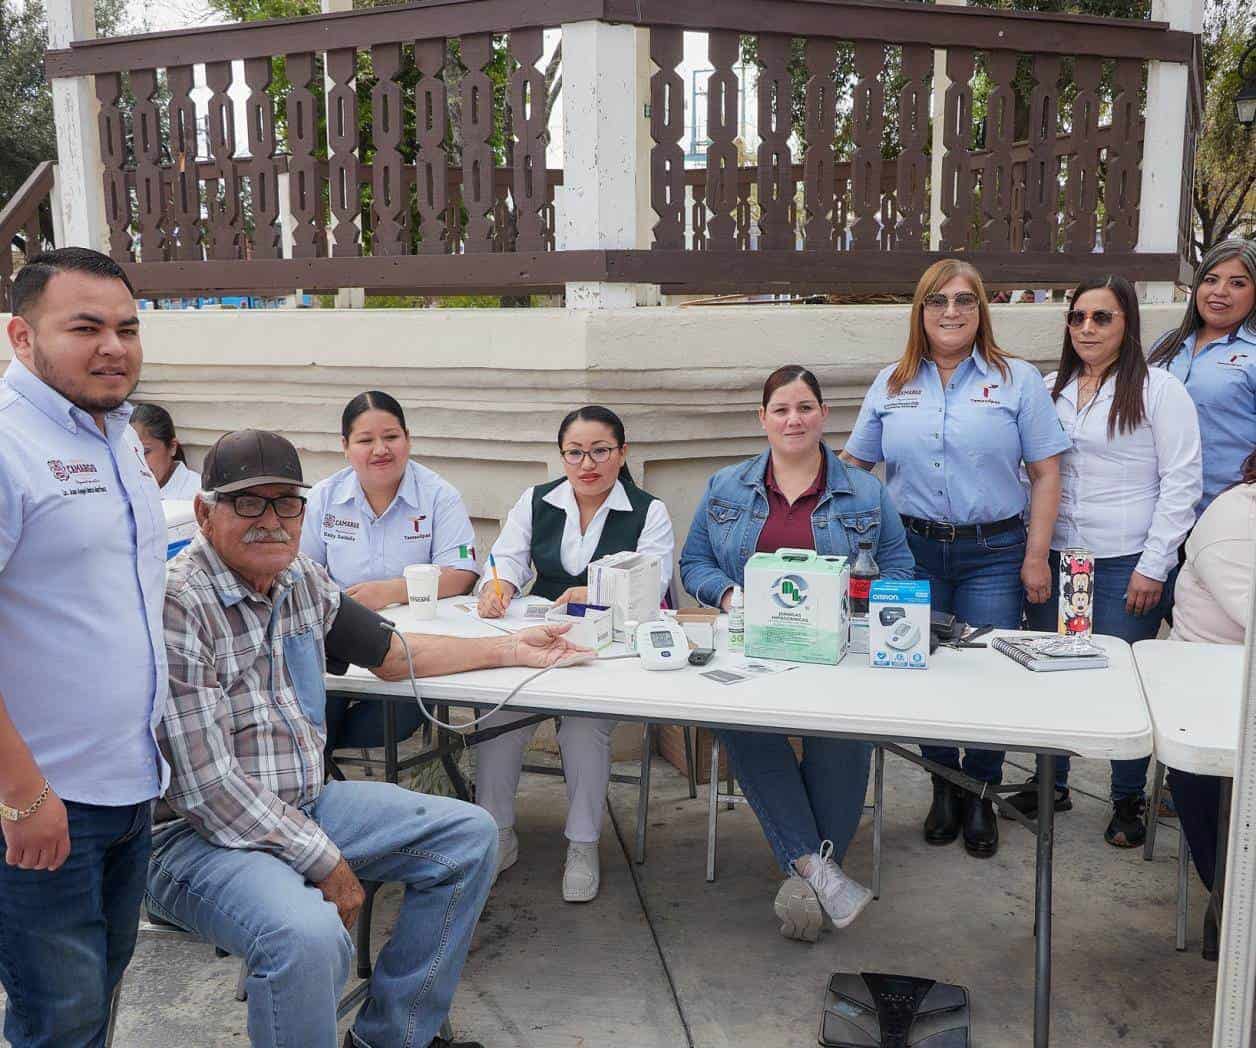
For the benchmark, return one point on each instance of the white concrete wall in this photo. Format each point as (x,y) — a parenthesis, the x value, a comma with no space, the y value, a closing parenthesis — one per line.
(484,390)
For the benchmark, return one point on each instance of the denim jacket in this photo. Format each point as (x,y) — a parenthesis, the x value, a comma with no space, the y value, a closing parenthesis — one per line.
(730,518)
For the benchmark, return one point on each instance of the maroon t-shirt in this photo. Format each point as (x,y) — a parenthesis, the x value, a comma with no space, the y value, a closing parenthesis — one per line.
(789,527)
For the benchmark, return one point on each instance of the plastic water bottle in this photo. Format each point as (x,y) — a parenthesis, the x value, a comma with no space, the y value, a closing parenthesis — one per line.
(737,621)
(862,575)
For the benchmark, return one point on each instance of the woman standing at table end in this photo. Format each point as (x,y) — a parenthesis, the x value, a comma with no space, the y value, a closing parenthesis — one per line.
(953,420)
(1130,483)
(551,536)
(1213,353)
(797,495)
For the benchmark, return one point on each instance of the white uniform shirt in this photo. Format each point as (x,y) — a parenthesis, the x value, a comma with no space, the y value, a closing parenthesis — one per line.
(82,590)
(426,523)
(1134,492)
(513,549)
(182,485)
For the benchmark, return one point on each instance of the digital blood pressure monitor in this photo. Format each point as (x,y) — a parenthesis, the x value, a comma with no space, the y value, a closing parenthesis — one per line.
(662,645)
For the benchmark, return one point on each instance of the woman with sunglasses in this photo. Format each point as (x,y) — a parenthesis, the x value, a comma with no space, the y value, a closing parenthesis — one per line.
(551,536)
(1129,486)
(370,520)
(1213,352)
(953,420)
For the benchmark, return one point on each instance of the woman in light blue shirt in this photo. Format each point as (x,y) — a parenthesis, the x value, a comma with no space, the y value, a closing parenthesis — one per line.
(953,421)
(367,522)
(1213,353)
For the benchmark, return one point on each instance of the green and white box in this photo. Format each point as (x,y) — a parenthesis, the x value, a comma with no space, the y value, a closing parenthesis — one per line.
(797,606)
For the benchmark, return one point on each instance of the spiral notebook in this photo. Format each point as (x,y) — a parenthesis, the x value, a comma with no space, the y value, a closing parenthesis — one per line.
(1027,651)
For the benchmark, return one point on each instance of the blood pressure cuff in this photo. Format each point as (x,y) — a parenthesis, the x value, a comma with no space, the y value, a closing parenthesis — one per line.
(356,637)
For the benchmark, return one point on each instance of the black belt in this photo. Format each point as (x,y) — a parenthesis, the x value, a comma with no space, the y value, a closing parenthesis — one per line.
(932,529)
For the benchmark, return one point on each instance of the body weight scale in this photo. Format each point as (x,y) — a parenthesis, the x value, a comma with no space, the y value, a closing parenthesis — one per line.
(875,1010)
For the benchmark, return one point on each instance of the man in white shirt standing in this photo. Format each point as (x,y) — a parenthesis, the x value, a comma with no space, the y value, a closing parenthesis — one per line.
(83,679)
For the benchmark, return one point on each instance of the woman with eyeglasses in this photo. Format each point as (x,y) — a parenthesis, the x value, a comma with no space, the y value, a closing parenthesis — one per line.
(1129,486)
(953,420)
(551,536)
(370,520)
(1213,352)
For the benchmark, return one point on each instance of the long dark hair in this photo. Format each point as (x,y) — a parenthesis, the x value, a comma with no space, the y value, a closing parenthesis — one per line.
(371,400)
(608,418)
(159,425)
(1245,251)
(783,376)
(1130,367)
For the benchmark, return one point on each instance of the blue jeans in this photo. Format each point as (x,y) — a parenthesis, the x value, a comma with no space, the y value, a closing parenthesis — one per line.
(800,804)
(67,936)
(255,906)
(1112,576)
(978,581)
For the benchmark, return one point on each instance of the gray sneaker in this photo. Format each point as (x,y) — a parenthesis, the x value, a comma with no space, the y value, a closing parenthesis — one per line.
(798,909)
(842,897)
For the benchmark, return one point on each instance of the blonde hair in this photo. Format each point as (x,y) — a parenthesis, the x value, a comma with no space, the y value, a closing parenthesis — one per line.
(937,276)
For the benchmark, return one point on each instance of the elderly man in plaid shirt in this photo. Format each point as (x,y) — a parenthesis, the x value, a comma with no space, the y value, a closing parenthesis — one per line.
(266,858)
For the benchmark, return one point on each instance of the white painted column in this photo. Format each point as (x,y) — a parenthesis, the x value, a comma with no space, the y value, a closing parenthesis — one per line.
(346,297)
(647,294)
(80,172)
(597,203)
(940,83)
(1163,142)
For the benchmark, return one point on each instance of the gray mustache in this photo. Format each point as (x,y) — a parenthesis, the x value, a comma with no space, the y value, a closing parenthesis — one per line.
(258,534)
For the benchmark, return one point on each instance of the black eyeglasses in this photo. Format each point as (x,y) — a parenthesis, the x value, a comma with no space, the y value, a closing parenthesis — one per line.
(250,506)
(964,301)
(574,456)
(1101,317)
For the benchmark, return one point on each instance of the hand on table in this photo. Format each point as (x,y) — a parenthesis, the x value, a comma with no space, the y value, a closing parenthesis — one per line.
(490,605)
(343,890)
(41,841)
(573,595)
(1036,577)
(543,646)
(379,593)
(1142,594)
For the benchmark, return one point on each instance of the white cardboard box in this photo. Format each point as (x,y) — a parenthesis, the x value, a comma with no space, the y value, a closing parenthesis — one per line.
(898,624)
(797,606)
(628,584)
(589,629)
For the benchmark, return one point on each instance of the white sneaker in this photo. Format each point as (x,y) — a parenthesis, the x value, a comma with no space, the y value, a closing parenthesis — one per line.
(581,874)
(507,850)
(799,910)
(842,897)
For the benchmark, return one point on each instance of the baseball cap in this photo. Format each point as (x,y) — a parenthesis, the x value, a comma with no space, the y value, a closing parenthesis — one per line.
(249,457)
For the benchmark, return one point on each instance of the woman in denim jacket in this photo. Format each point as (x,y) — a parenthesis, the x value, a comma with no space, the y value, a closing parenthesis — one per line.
(797,495)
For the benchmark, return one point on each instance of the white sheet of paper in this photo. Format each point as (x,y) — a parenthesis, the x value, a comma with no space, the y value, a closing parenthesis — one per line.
(521,614)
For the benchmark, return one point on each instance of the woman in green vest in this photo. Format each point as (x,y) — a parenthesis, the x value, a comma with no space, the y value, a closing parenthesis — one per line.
(551,536)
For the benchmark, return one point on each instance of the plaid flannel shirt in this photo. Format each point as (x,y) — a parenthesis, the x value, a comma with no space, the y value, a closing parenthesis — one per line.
(246,755)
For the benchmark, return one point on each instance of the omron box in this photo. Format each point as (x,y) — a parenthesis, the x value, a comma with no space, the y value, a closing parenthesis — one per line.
(628,584)
(898,624)
(797,607)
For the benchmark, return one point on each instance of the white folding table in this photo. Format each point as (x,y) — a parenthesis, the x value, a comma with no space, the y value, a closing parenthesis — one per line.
(970,697)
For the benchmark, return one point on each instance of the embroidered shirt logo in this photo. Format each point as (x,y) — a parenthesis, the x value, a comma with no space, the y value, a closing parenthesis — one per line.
(64,471)
(416,522)
(1237,360)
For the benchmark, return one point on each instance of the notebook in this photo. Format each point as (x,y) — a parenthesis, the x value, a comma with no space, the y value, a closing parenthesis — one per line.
(1028,651)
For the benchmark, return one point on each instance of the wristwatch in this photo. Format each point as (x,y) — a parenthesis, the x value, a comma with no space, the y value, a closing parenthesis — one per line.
(17,814)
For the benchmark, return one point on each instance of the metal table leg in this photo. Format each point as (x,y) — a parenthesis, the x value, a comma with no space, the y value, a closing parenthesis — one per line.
(390,742)
(643,795)
(1216,899)
(1042,945)
(449,761)
(713,806)
(1153,813)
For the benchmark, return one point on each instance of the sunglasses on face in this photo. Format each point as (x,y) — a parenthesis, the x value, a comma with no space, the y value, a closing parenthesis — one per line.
(1101,318)
(251,506)
(599,455)
(964,302)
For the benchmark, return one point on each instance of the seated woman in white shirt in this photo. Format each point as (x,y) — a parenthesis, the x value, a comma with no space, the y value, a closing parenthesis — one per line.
(551,536)
(163,453)
(1212,605)
(370,520)
(1128,491)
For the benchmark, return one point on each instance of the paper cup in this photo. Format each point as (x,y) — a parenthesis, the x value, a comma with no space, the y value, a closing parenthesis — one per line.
(422,581)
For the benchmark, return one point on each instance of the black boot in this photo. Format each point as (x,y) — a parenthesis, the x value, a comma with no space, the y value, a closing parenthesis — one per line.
(1026,801)
(981,828)
(942,823)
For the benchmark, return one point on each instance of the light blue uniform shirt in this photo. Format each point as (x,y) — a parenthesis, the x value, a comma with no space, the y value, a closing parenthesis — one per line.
(955,456)
(1221,380)
(425,524)
(82,588)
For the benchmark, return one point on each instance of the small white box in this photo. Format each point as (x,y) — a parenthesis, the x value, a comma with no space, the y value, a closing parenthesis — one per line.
(898,624)
(628,584)
(590,626)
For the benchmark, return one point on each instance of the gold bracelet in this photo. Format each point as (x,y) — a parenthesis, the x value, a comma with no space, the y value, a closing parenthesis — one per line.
(17,814)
